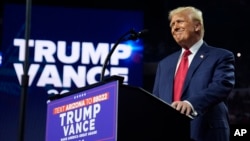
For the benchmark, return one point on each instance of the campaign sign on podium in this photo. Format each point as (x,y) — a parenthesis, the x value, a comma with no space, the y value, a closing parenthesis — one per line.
(86,115)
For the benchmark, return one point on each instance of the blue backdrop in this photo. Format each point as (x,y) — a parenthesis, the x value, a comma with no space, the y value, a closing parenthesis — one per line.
(67,48)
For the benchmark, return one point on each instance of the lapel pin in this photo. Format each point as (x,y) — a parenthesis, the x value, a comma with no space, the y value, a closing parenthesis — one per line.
(202,56)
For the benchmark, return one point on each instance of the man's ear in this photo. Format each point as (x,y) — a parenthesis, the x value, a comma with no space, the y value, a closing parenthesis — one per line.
(197,27)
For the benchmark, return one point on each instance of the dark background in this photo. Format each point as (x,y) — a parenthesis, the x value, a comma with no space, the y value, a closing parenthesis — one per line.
(226,26)
(226,23)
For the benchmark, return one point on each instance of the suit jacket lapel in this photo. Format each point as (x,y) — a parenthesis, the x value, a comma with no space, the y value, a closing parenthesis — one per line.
(171,74)
(197,60)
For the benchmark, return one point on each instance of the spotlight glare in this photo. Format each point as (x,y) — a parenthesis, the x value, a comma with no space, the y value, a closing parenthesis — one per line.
(238,54)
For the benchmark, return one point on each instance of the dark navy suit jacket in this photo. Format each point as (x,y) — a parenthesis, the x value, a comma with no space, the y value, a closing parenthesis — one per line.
(209,81)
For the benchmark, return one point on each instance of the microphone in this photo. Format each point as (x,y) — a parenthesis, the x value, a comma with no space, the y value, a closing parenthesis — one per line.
(132,35)
(136,35)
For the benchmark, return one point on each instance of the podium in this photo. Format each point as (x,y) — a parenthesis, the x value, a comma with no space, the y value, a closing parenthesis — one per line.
(143,117)
(139,116)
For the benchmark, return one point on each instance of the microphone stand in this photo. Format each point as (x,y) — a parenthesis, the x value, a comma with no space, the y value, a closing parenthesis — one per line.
(25,76)
(133,36)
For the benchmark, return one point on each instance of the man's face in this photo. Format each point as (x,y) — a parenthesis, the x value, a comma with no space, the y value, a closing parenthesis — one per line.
(183,29)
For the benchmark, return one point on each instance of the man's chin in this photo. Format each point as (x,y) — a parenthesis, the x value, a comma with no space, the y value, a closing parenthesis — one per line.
(181,43)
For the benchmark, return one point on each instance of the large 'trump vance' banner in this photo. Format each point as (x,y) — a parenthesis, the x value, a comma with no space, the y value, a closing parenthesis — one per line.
(67,48)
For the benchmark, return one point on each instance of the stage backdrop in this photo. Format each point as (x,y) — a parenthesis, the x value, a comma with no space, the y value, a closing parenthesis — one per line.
(67,49)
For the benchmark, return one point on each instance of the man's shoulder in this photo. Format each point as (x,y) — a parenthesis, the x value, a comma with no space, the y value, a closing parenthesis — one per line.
(171,56)
(215,49)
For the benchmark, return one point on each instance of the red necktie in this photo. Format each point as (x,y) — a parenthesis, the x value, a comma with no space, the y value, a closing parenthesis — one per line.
(181,75)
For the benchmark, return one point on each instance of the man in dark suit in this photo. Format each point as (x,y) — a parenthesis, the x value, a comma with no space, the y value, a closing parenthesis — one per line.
(208,82)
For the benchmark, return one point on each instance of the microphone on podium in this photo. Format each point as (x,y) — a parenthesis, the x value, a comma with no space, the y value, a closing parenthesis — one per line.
(130,35)
(136,35)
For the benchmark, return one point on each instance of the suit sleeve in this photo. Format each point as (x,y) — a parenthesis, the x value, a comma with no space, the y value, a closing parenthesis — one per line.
(216,82)
(156,85)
